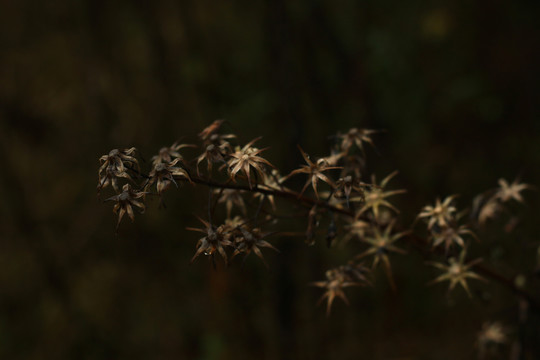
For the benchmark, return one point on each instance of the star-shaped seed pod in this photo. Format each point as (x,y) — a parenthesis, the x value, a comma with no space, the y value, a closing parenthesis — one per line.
(213,154)
(346,185)
(381,244)
(125,202)
(507,192)
(457,272)
(449,235)
(231,197)
(247,159)
(251,241)
(167,154)
(210,134)
(314,170)
(163,175)
(357,137)
(215,240)
(114,165)
(441,214)
(375,197)
(338,279)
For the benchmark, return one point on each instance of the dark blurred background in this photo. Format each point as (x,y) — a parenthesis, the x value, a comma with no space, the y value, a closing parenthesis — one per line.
(454,83)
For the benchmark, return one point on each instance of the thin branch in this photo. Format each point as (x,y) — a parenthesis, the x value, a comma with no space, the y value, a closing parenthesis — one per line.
(286,194)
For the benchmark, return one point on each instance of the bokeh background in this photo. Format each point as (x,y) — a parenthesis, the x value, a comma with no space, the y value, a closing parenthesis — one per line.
(454,83)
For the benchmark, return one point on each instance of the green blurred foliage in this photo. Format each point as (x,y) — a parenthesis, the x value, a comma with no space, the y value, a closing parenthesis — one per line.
(454,83)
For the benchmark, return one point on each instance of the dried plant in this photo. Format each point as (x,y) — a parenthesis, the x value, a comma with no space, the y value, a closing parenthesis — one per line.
(125,202)
(231,197)
(251,241)
(441,214)
(215,240)
(507,192)
(357,228)
(271,182)
(247,159)
(450,235)
(346,185)
(115,165)
(381,244)
(163,175)
(339,279)
(457,272)
(213,154)
(375,196)
(168,154)
(357,137)
(210,135)
(349,209)
(314,170)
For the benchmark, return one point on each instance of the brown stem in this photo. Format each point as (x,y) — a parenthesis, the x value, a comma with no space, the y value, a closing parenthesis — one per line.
(291,195)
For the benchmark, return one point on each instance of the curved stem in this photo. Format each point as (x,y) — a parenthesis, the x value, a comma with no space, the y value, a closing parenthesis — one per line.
(287,194)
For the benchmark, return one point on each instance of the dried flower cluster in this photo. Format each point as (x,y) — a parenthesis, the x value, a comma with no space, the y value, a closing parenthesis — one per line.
(234,234)
(442,223)
(115,166)
(347,206)
(338,279)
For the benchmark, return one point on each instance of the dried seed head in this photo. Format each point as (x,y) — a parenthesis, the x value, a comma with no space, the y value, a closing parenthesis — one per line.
(231,197)
(449,235)
(356,137)
(457,272)
(338,279)
(375,197)
(247,159)
(441,214)
(215,240)
(250,241)
(115,165)
(507,192)
(125,202)
(346,185)
(213,154)
(168,154)
(211,135)
(163,175)
(381,244)
(314,170)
